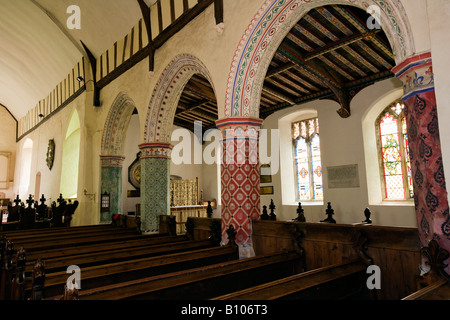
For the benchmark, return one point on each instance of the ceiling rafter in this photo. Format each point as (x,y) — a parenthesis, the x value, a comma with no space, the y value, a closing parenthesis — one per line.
(328,54)
(351,18)
(338,88)
(187,108)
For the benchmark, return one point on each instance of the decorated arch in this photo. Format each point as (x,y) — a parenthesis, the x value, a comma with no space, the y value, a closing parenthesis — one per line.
(270,26)
(112,154)
(156,149)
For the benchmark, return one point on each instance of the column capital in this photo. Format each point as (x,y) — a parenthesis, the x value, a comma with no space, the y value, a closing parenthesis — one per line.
(235,127)
(416,73)
(156,150)
(111,161)
(238,122)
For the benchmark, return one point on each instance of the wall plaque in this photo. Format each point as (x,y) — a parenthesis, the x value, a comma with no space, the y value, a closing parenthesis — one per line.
(343,177)
(50,154)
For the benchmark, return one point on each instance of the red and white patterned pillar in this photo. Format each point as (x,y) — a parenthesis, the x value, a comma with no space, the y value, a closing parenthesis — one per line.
(430,192)
(239,176)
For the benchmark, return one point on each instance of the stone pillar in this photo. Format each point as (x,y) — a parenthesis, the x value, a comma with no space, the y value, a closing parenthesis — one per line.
(239,176)
(430,193)
(155,184)
(111,182)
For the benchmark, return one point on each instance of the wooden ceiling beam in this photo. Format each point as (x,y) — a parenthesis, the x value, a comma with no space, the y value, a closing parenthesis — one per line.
(145,10)
(338,89)
(280,69)
(297,58)
(278,95)
(188,108)
(288,84)
(200,90)
(340,44)
(351,18)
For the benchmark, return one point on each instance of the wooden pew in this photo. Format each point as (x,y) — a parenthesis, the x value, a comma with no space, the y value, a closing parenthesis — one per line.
(200,283)
(133,269)
(25,237)
(101,252)
(110,264)
(74,240)
(435,283)
(92,258)
(395,250)
(96,247)
(439,290)
(339,281)
(37,215)
(41,231)
(63,232)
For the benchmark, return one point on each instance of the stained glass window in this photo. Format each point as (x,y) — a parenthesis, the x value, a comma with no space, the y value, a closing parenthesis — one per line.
(308,165)
(394,153)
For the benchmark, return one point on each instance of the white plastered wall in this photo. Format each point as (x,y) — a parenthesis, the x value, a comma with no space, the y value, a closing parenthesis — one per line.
(342,143)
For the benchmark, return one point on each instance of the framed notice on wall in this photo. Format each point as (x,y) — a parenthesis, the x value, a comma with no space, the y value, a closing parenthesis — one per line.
(266,190)
(343,177)
(265,173)
(105,203)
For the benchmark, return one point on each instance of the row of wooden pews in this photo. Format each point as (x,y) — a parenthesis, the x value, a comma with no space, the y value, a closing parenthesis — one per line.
(202,282)
(293,260)
(339,260)
(104,254)
(336,282)
(200,273)
(36,214)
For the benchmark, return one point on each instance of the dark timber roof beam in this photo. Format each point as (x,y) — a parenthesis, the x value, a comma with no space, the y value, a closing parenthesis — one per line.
(338,88)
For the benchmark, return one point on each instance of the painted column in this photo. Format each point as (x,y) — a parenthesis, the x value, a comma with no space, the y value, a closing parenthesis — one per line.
(155,184)
(239,176)
(111,182)
(430,192)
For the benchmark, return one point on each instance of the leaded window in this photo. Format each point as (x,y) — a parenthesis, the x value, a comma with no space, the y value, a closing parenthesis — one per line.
(307,158)
(395,164)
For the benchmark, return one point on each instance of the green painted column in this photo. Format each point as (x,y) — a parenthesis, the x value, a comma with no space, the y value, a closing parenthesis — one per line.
(155,184)
(111,182)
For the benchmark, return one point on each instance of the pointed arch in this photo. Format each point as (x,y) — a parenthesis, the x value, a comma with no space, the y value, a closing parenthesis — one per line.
(112,154)
(164,100)
(272,23)
(116,125)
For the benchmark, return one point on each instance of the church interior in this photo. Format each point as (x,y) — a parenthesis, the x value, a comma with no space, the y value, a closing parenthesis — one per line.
(224,150)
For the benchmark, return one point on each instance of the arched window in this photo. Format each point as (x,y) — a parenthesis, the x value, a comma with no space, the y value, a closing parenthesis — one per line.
(307,160)
(71,158)
(393,152)
(25,173)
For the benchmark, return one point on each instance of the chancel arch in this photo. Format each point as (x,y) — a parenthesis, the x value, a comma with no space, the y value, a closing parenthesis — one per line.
(272,24)
(113,154)
(156,149)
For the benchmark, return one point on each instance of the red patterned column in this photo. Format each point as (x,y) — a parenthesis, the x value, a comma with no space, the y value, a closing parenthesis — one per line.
(430,192)
(239,176)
